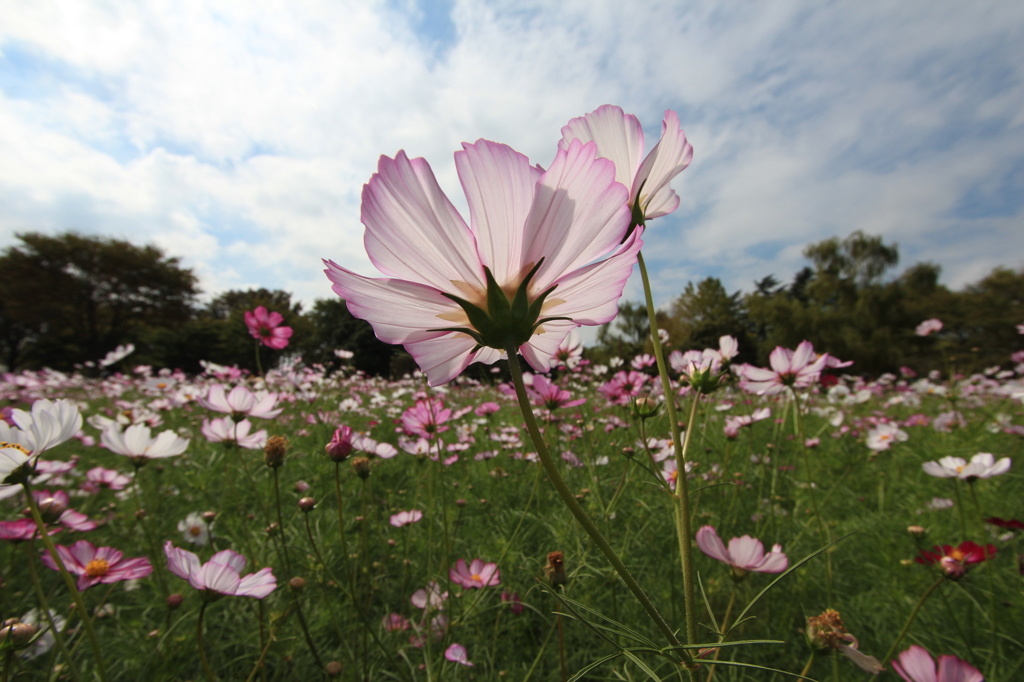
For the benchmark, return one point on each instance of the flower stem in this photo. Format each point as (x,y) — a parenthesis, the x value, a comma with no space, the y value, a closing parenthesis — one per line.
(910,619)
(259,365)
(44,605)
(574,506)
(101,668)
(683,520)
(199,643)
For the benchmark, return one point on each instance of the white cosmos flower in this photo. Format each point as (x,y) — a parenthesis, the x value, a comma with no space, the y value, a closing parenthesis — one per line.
(982,465)
(137,443)
(49,424)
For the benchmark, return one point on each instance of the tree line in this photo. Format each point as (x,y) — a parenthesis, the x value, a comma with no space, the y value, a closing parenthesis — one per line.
(68,299)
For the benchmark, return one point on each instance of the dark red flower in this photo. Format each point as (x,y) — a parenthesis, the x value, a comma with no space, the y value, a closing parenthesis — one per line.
(1006,523)
(953,560)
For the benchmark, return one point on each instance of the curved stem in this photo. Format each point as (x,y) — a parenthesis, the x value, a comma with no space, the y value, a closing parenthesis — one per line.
(101,668)
(574,506)
(683,520)
(910,619)
(199,643)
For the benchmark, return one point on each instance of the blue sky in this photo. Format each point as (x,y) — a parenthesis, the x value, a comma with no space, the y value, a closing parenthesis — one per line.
(238,138)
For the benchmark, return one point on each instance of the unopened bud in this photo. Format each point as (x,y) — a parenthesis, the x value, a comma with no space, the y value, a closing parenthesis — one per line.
(272,528)
(333,669)
(174,600)
(140,514)
(307,504)
(917,531)
(301,487)
(361,465)
(274,451)
(297,583)
(209,516)
(460,502)
(50,508)
(340,446)
(18,634)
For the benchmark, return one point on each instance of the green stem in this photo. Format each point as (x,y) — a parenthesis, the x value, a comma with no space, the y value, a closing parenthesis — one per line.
(683,520)
(58,636)
(259,365)
(101,668)
(574,506)
(910,619)
(266,647)
(199,643)
(826,534)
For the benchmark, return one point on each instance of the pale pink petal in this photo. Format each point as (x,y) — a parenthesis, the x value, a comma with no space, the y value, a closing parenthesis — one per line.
(712,545)
(258,584)
(579,214)
(180,562)
(443,358)
(412,231)
(937,470)
(915,665)
(218,577)
(241,399)
(746,552)
(868,664)
(666,160)
(82,551)
(781,360)
(230,558)
(773,562)
(500,184)
(803,356)
(618,135)
(129,569)
(952,669)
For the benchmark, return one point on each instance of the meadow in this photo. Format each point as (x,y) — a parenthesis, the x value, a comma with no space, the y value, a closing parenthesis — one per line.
(411,533)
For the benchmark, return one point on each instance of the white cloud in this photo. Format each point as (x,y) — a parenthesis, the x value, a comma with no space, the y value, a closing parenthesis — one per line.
(239,139)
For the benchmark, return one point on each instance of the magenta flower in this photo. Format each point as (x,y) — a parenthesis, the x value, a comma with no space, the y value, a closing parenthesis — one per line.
(395,622)
(796,369)
(340,446)
(98,477)
(916,665)
(512,599)
(744,553)
(543,253)
(478,574)
(404,518)
(21,530)
(456,653)
(54,508)
(623,386)
(620,137)
(551,396)
(485,409)
(94,565)
(426,418)
(267,329)
(221,575)
(241,402)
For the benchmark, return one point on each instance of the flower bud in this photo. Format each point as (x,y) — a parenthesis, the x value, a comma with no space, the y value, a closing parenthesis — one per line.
(140,514)
(274,451)
(333,669)
(209,516)
(18,634)
(297,583)
(301,487)
(917,531)
(307,504)
(50,508)
(644,407)
(361,465)
(555,569)
(174,600)
(340,446)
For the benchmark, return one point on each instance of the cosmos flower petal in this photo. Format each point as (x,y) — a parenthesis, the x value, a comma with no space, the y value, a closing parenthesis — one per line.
(258,584)
(712,545)
(218,577)
(230,558)
(667,159)
(500,185)
(915,665)
(579,214)
(412,230)
(746,552)
(937,470)
(619,137)
(590,295)
(952,669)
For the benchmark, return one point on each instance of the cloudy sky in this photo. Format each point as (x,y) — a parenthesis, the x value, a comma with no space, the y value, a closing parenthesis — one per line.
(238,136)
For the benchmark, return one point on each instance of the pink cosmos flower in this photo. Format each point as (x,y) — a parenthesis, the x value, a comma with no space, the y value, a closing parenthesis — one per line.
(426,418)
(744,553)
(623,386)
(485,409)
(456,653)
(620,137)
(395,622)
(98,477)
(94,565)
(55,508)
(570,351)
(954,560)
(884,435)
(916,665)
(430,598)
(982,465)
(551,396)
(928,327)
(340,446)
(512,599)
(541,246)
(797,369)
(21,530)
(221,575)
(226,430)
(404,518)
(267,329)
(241,402)
(478,574)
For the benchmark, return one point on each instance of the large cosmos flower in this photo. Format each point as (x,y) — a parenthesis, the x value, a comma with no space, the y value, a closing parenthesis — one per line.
(543,253)
(744,554)
(620,138)
(916,665)
(982,465)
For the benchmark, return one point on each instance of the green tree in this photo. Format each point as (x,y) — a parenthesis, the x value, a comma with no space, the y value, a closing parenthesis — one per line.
(705,312)
(71,298)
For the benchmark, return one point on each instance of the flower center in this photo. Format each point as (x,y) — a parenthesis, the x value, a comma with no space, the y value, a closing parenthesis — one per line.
(15,446)
(195,531)
(476,577)
(960,469)
(957,554)
(97,568)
